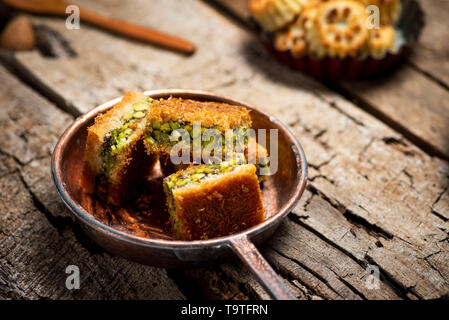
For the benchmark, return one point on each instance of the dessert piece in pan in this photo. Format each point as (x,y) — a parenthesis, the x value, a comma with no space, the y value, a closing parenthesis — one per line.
(253,153)
(114,151)
(208,201)
(195,118)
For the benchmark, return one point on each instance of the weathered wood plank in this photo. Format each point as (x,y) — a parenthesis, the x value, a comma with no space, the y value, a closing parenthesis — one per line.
(411,103)
(365,170)
(366,178)
(407,100)
(432,53)
(238,8)
(143,66)
(37,239)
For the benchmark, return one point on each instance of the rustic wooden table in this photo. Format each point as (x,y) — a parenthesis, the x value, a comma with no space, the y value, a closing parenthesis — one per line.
(378,153)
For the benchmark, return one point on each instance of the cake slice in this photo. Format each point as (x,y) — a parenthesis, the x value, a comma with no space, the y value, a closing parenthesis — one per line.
(168,115)
(194,119)
(208,201)
(253,153)
(114,151)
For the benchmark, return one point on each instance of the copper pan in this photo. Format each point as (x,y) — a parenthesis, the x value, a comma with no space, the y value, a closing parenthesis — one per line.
(281,192)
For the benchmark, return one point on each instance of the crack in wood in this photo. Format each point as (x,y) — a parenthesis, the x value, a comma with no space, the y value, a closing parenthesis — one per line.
(350,286)
(398,287)
(334,105)
(338,205)
(322,164)
(309,270)
(297,220)
(436,213)
(434,268)
(353,218)
(437,80)
(419,142)
(59,223)
(308,291)
(214,284)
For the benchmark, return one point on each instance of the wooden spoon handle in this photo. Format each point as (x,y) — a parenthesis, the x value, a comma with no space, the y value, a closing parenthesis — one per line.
(138,32)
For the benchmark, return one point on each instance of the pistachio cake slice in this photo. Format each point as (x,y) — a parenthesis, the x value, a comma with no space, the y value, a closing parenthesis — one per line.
(115,151)
(168,115)
(208,201)
(254,153)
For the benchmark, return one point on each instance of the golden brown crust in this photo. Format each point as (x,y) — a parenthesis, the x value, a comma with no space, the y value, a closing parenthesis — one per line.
(110,120)
(340,28)
(390,10)
(292,39)
(209,114)
(115,189)
(381,41)
(105,123)
(295,36)
(218,207)
(274,14)
(220,116)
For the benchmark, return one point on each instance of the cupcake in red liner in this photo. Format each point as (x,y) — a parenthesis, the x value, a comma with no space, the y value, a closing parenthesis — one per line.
(338,39)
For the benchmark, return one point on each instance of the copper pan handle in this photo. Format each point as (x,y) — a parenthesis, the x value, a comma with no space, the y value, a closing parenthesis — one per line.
(264,273)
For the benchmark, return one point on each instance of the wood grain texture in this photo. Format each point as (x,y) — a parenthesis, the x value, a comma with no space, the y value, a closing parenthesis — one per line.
(38,239)
(412,100)
(374,198)
(432,54)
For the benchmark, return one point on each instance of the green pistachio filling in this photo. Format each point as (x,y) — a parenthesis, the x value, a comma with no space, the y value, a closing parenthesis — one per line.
(118,138)
(159,133)
(198,173)
(194,175)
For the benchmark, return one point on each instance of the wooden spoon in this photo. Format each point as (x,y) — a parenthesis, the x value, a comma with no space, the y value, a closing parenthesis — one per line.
(58,8)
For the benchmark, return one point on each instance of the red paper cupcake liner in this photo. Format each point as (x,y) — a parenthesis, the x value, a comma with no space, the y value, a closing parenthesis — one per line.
(348,68)
(351,68)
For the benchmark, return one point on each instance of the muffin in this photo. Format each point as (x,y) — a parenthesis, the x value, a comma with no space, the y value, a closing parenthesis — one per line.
(292,39)
(339,29)
(390,10)
(339,39)
(381,41)
(274,14)
(295,37)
